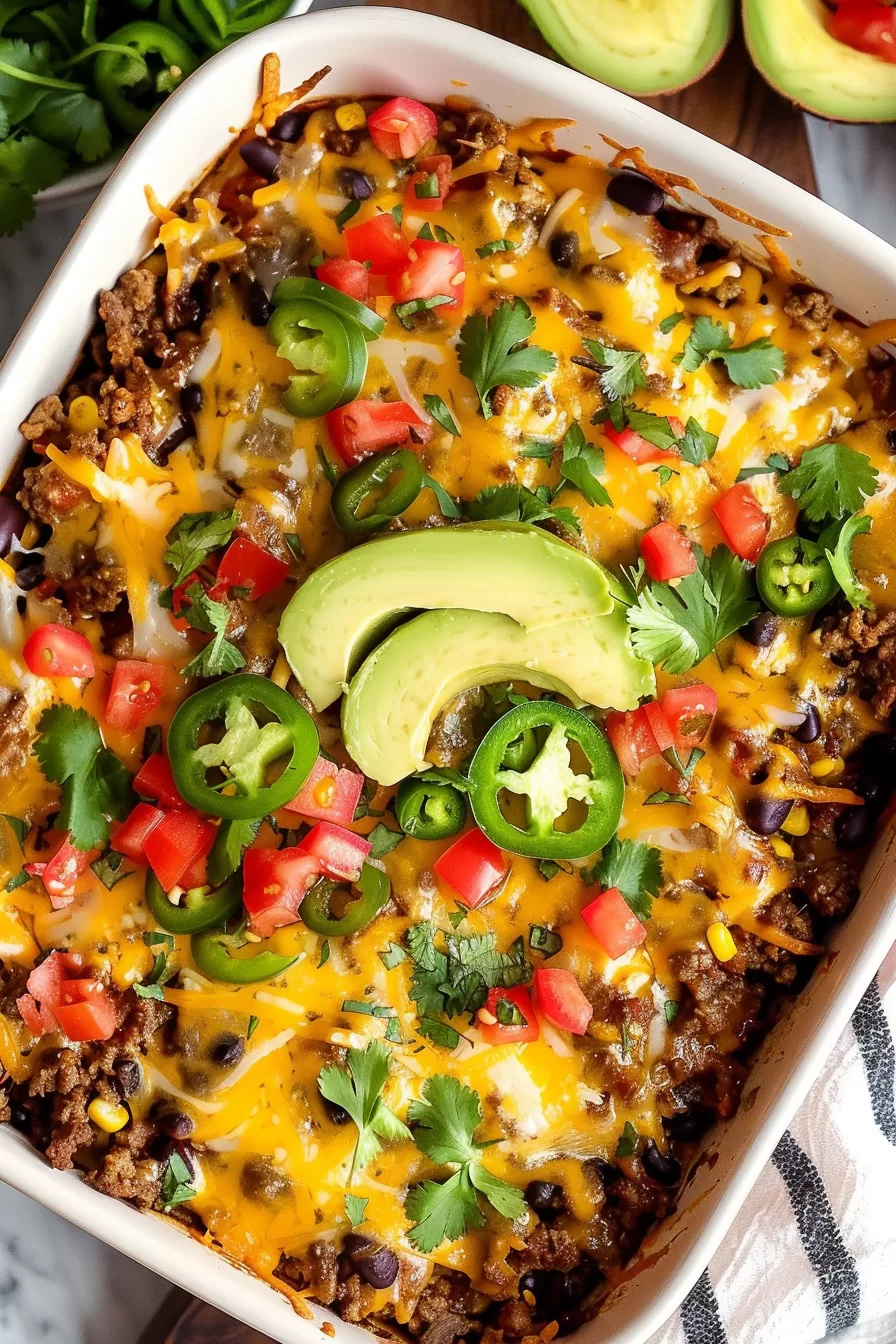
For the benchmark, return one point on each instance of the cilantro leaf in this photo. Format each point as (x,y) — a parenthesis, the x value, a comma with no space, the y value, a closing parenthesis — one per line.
(108,868)
(831,481)
(679,627)
(358,1090)
(94,783)
(449,507)
(457,980)
(544,940)
(635,870)
(227,852)
(515,504)
(219,656)
(656,429)
(582,464)
(543,449)
(73,121)
(439,1033)
(16,208)
(31,162)
(193,538)
(177,1185)
(671,322)
(445,1121)
(493,351)
(440,413)
(383,840)
(496,245)
(623,370)
(628,1141)
(698,445)
(355,1208)
(753,365)
(841,560)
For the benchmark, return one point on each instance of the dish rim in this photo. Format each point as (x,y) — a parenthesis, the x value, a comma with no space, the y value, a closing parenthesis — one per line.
(850,968)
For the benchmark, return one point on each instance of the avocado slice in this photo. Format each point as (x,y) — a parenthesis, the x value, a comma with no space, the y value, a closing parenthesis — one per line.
(394,698)
(349,603)
(792,48)
(643,47)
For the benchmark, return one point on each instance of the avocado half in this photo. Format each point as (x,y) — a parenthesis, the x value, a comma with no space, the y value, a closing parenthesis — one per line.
(394,698)
(792,48)
(644,47)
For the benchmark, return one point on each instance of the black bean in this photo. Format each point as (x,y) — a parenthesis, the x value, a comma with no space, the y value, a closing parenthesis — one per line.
(544,1197)
(556,1292)
(258,305)
(262,1181)
(337,1114)
(873,789)
(564,249)
(20,1119)
(289,126)
(810,729)
(379,1269)
(262,157)
(359,186)
(528,1282)
(636,193)
(766,815)
(607,1172)
(877,756)
(191,399)
(688,1124)
(176,1124)
(761,630)
(12,521)
(30,572)
(854,827)
(128,1077)
(228,1051)
(353,1243)
(660,1167)
(118,622)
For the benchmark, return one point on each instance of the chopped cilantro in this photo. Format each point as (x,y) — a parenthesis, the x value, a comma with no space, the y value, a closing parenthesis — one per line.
(433,234)
(774,462)
(582,465)
(628,1141)
(493,351)
(219,656)
(509,1014)
(397,213)
(149,991)
(294,542)
(428,189)
(438,1033)
(656,429)
(94,783)
(324,953)
(443,774)
(547,869)
(516,504)
(18,827)
(623,370)
(405,311)
(358,1089)
(17,880)
(544,940)
(176,1183)
(671,322)
(841,560)
(348,211)
(670,1009)
(444,1124)
(440,413)
(830,482)
(329,469)
(449,507)
(232,839)
(383,840)
(496,245)
(355,1209)
(661,796)
(194,537)
(635,870)
(698,445)
(252,1027)
(753,365)
(392,955)
(457,980)
(108,868)
(543,449)
(665,474)
(677,627)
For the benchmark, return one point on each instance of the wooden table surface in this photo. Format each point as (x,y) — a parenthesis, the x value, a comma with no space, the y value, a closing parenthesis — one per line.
(732,104)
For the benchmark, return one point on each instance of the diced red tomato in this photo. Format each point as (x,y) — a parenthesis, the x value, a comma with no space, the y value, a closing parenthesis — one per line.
(379,241)
(364,427)
(632,738)
(196,875)
(329,793)
(245,565)
(349,277)
(867,27)
(401,127)
(613,923)
(559,998)
(473,867)
(497,1034)
(44,990)
(275,882)
(155,780)
(60,873)
(59,997)
(743,522)
(135,692)
(180,839)
(179,600)
(340,853)
(92,1018)
(129,837)
(689,712)
(656,721)
(438,165)
(667,553)
(432,268)
(632,444)
(55,651)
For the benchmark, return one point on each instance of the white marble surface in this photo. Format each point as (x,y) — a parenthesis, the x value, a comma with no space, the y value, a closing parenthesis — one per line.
(58,1285)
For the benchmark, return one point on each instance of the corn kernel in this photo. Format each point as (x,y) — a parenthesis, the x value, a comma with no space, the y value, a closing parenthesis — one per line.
(30,535)
(798,821)
(781,847)
(282,672)
(720,941)
(351,117)
(107,1116)
(84,415)
(825,767)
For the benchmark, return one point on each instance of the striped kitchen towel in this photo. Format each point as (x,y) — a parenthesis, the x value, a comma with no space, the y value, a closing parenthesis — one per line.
(814,1248)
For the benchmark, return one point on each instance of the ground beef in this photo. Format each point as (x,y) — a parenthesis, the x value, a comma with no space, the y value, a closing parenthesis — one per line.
(342,142)
(830,887)
(727,291)
(472,132)
(46,420)
(130,313)
(14,731)
(96,586)
(754,954)
(515,1318)
(864,644)
(125,1172)
(317,1270)
(548,1248)
(678,240)
(574,316)
(47,493)
(354,1298)
(130,408)
(811,309)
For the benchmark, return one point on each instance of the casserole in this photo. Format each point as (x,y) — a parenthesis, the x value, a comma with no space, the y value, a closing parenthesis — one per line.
(681,1248)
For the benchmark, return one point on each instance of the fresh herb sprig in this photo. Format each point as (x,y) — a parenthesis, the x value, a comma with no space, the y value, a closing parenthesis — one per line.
(358,1089)
(95,785)
(752,366)
(494,351)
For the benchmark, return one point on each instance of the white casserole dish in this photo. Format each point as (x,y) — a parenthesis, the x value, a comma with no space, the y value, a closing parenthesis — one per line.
(392,51)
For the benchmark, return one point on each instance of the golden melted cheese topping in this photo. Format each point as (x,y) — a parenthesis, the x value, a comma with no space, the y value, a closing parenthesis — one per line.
(554,1103)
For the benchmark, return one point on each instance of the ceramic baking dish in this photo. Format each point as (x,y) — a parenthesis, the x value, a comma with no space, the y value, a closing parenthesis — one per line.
(392,51)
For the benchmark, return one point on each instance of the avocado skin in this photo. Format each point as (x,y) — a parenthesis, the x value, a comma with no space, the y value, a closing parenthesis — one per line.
(395,697)
(645,60)
(347,605)
(792,49)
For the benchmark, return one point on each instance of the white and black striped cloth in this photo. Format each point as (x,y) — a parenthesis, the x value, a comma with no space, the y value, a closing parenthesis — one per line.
(814,1248)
